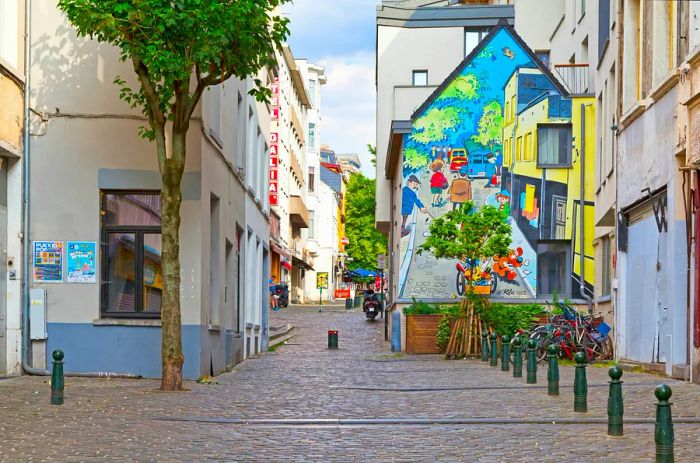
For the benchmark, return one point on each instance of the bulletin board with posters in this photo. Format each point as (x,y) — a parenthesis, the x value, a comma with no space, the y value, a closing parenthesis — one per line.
(48,261)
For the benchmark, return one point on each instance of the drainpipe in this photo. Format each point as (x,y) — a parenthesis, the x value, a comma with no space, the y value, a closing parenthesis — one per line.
(582,257)
(26,248)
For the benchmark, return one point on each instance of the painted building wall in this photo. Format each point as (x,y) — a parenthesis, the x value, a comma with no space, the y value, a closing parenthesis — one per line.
(460,132)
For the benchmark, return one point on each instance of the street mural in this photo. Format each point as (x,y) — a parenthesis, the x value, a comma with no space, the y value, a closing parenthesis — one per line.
(498,132)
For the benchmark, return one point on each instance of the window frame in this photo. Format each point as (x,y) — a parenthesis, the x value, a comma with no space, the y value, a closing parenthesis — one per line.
(482,33)
(548,165)
(417,72)
(138,231)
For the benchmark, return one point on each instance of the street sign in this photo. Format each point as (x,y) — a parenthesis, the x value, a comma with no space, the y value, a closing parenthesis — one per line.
(322,280)
(381,261)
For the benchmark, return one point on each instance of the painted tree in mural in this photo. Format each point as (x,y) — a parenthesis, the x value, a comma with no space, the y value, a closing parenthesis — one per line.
(178,49)
(490,128)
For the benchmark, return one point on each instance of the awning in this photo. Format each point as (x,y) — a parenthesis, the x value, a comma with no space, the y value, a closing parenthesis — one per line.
(276,247)
(301,263)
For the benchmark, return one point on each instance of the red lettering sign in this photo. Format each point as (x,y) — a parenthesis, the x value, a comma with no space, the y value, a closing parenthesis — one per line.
(274,175)
(342,293)
(273,162)
(273,199)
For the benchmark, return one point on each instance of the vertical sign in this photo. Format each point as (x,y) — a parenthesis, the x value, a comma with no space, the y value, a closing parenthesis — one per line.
(48,261)
(273,188)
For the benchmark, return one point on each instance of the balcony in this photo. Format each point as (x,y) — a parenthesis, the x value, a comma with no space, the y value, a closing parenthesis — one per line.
(573,76)
(298,213)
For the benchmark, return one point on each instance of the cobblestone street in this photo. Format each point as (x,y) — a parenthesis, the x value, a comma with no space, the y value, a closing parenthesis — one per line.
(118,420)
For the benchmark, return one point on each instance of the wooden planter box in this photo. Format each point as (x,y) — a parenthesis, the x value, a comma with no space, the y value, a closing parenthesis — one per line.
(421,333)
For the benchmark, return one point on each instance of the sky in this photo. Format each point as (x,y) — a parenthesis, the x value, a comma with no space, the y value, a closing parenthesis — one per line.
(340,36)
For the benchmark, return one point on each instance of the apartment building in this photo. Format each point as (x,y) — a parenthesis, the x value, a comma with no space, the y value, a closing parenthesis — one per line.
(12,77)
(96,246)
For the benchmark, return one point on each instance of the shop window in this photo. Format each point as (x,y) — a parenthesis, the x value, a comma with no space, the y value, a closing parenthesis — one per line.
(132,274)
(553,270)
(554,145)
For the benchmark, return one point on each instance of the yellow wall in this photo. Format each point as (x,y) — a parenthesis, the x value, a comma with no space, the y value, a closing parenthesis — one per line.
(10,112)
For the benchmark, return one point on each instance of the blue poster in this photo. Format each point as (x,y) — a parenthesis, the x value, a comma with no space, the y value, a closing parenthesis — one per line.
(81,261)
(48,261)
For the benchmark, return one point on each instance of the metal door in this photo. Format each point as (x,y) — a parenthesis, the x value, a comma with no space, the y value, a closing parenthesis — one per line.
(647,323)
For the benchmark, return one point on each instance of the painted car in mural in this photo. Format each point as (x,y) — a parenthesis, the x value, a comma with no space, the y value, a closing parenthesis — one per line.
(499,131)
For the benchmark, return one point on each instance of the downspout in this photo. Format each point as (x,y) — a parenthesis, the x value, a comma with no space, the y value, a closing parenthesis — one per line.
(582,255)
(26,248)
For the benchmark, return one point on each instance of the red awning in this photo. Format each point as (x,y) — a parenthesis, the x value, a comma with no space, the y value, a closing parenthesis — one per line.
(279,249)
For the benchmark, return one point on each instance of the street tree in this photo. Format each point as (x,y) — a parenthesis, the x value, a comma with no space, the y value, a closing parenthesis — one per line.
(366,242)
(178,48)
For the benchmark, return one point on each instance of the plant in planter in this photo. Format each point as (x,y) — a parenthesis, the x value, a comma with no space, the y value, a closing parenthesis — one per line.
(468,235)
(422,320)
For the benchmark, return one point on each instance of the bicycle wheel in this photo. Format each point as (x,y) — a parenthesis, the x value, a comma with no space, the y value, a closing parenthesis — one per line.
(542,337)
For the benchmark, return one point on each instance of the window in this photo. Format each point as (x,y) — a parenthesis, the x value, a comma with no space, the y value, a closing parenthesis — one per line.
(420,78)
(543,56)
(312,136)
(553,274)
(472,37)
(214,251)
(519,149)
(554,145)
(604,7)
(312,179)
(9,30)
(312,92)
(528,147)
(312,225)
(606,266)
(132,274)
(582,9)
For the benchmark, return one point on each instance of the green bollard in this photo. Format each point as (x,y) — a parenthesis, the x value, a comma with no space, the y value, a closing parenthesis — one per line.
(484,346)
(505,353)
(553,370)
(517,358)
(580,384)
(663,430)
(57,378)
(332,339)
(615,406)
(494,350)
(531,362)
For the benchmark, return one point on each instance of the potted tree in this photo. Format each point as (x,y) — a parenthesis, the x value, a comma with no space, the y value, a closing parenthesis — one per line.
(472,237)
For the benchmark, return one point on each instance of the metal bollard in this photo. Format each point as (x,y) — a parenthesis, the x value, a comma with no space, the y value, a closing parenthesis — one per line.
(517,358)
(531,362)
(615,405)
(57,383)
(505,353)
(663,430)
(484,346)
(553,370)
(494,350)
(332,339)
(580,384)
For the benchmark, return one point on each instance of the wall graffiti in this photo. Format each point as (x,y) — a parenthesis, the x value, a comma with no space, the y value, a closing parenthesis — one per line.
(499,131)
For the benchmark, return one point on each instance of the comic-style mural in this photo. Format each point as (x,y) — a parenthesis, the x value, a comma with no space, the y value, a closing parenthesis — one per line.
(500,131)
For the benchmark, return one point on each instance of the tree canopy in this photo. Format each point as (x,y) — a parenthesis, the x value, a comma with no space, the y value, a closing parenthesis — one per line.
(366,242)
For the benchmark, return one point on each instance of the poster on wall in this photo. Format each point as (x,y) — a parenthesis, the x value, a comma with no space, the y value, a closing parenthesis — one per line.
(80,262)
(48,261)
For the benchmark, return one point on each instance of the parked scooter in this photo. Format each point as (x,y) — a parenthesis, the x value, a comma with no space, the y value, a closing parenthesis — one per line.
(370,305)
(282,293)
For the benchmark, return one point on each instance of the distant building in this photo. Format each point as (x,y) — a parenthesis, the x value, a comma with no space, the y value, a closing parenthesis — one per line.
(349,163)
(327,155)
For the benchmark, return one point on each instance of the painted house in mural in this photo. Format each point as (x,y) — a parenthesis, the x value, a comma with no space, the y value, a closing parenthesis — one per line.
(501,130)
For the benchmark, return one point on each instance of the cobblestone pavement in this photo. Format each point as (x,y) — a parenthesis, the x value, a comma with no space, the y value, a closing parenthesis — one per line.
(128,420)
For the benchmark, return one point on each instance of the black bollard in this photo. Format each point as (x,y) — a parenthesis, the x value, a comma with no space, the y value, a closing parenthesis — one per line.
(615,406)
(663,430)
(57,383)
(517,358)
(494,350)
(484,346)
(580,384)
(332,339)
(531,362)
(553,370)
(505,353)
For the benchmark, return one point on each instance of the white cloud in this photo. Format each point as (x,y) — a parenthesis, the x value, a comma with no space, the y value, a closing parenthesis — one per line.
(348,105)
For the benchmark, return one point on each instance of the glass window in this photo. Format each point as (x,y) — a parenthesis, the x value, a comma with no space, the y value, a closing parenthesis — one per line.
(420,78)
(554,145)
(553,274)
(132,273)
(472,37)
(312,227)
(312,179)
(606,266)
(312,136)
(312,92)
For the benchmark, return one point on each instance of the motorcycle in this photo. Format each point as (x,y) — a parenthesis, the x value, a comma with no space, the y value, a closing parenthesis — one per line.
(282,293)
(370,305)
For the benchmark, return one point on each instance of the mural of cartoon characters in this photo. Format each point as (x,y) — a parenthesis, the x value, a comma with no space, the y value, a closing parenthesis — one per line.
(467,130)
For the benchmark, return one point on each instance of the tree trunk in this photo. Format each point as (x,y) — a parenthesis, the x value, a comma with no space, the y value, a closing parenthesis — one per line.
(171,199)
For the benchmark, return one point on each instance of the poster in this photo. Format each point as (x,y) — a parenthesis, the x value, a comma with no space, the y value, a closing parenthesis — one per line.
(81,262)
(48,261)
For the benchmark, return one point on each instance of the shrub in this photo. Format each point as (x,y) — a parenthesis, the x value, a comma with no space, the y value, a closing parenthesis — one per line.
(509,318)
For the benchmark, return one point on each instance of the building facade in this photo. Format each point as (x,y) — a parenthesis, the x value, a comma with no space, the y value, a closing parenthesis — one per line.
(12,85)
(96,245)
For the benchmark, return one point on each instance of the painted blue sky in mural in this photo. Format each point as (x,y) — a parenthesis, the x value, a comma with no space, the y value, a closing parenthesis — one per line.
(484,78)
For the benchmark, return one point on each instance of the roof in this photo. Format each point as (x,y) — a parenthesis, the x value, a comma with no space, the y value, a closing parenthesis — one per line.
(503,25)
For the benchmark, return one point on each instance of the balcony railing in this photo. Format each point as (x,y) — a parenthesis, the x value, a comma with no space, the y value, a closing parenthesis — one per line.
(574,76)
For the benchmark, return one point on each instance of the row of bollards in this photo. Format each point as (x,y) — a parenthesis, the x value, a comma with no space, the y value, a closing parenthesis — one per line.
(663,431)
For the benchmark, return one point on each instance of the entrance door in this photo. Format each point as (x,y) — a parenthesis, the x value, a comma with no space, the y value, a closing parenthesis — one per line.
(647,297)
